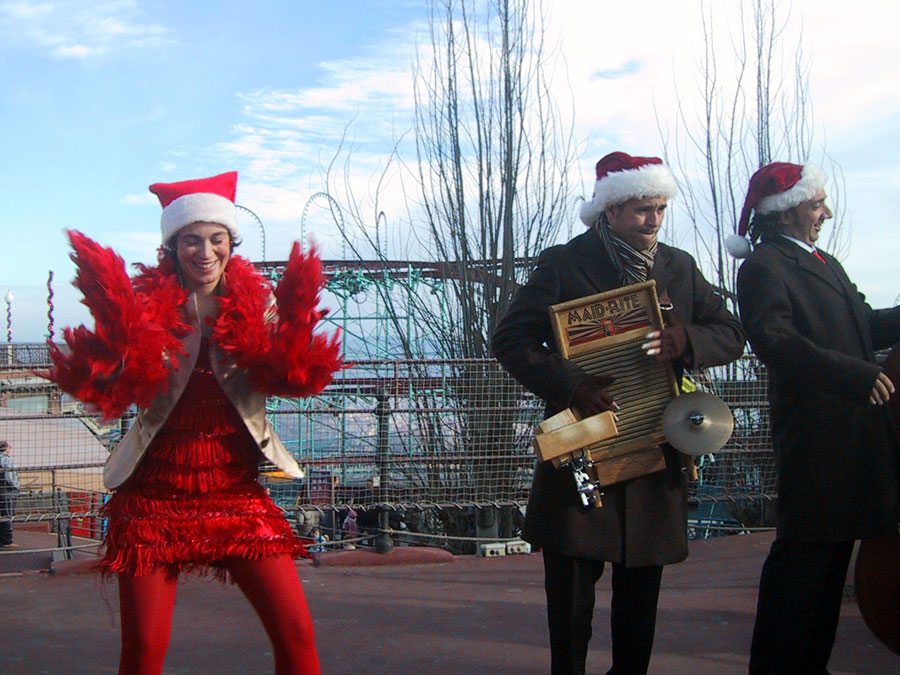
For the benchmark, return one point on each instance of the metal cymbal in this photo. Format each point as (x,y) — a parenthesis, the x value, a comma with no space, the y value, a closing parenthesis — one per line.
(697,423)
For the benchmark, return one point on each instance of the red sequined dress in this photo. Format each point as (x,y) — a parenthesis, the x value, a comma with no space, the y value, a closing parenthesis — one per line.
(194,499)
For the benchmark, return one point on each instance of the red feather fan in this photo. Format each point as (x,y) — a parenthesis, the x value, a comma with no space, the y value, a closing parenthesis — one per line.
(128,356)
(278,348)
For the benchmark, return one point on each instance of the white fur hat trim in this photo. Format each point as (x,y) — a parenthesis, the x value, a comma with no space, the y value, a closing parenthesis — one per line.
(650,180)
(812,179)
(198,207)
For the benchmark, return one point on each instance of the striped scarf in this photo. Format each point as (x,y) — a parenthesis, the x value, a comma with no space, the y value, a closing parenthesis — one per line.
(632,266)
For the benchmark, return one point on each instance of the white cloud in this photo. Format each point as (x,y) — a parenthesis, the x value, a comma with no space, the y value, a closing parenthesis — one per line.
(25,10)
(288,137)
(78,51)
(622,71)
(147,199)
(133,245)
(78,28)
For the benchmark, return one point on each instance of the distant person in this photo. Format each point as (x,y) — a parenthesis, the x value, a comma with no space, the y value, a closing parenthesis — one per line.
(351,528)
(836,456)
(642,524)
(9,491)
(197,343)
(319,541)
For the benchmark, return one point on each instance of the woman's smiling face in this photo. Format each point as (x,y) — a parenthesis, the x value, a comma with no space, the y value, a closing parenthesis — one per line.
(203,251)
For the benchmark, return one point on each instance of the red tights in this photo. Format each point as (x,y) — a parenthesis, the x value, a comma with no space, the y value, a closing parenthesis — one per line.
(272,586)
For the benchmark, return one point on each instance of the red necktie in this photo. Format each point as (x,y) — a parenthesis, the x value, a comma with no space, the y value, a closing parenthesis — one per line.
(819,256)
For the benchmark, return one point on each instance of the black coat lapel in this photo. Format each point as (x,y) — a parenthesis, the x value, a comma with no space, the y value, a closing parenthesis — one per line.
(809,264)
(597,270)
(855,305)
(662,274)
(834,276)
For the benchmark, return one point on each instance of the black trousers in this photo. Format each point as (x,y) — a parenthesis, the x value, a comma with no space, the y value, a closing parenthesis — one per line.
(569,583)
(800,593)
(7,510)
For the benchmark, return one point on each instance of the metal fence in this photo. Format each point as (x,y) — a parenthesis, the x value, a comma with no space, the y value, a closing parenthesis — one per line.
(440,442)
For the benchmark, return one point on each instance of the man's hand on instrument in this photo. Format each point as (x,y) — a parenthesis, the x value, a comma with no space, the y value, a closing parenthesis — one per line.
(881,392)
(591,397)
(667,344)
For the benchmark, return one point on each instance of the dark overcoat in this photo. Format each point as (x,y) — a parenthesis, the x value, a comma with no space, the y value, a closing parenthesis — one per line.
(643,521)
(835,453)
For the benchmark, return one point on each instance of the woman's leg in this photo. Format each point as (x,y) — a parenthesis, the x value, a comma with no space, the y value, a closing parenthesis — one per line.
(273,587)
(145,607)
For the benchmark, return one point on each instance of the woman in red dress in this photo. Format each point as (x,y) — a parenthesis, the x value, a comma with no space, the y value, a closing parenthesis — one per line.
(197,343)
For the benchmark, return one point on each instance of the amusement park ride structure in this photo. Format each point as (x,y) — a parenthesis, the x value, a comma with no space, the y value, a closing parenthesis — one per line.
(372,302)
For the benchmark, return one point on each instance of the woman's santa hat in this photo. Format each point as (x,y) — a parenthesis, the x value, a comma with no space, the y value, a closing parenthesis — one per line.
(207,200)
(776,187)
(621,177)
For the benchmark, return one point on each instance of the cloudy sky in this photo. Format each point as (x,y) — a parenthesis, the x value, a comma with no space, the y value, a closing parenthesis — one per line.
(98,99)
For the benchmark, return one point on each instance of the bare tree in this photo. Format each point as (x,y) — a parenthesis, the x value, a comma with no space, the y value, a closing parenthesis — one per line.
(487,189)
(493,156)
(754,108)
(489,184)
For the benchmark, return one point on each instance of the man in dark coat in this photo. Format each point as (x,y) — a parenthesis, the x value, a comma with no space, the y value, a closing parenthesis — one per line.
(642,524)
(836,456)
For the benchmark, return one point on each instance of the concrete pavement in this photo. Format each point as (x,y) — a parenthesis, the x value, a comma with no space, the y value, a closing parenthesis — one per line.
(427,613)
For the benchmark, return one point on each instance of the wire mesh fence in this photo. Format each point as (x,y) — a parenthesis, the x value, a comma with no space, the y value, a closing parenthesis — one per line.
(442,442)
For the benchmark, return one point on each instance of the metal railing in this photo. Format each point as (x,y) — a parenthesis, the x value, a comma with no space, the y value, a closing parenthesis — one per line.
(435,445)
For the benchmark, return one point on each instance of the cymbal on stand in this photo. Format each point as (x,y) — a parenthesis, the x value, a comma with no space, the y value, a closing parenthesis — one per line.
(697,423)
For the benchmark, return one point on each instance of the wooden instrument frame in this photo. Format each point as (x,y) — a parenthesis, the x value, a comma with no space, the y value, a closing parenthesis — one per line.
(604,334)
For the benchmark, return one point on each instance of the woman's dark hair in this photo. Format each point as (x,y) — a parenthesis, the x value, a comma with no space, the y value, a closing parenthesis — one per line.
(764,226)
(170,246)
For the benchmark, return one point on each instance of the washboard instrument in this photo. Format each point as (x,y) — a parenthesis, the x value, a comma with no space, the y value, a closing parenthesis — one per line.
(603,334)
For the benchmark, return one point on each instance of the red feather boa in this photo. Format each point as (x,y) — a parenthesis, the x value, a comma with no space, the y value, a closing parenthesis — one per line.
(139,325)
(278,348)
(137,335)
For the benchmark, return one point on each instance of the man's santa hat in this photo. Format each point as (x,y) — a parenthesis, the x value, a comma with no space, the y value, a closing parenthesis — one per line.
(776,187)
(207,200)
(621,177)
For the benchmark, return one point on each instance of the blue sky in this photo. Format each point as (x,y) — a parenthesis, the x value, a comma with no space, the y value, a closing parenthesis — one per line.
(100,99)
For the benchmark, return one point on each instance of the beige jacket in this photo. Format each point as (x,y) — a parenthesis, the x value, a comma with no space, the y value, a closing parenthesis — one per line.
(251,406)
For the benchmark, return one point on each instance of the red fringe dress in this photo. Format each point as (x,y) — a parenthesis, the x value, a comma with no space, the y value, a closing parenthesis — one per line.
(194,499)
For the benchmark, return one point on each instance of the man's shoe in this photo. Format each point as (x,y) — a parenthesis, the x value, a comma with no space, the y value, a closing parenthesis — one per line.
(11,544)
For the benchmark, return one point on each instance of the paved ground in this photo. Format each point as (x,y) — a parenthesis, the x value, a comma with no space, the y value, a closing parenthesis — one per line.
(466,615)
